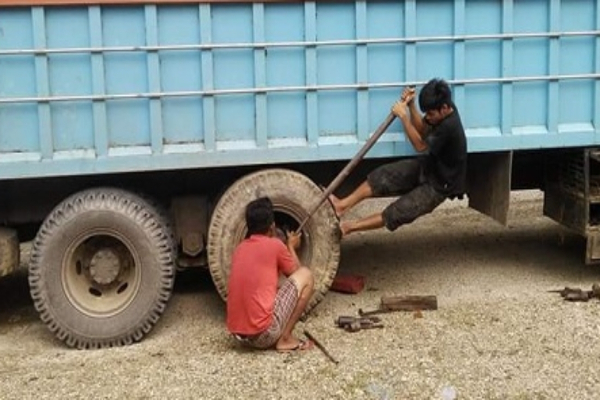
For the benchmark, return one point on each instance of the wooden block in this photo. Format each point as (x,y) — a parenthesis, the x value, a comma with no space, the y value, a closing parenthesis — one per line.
(408,303)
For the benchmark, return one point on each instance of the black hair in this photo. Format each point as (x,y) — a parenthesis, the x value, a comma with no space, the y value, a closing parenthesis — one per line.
(434,95)
(259,216)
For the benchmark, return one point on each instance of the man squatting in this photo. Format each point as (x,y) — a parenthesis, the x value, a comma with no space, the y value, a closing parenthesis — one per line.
(423,182)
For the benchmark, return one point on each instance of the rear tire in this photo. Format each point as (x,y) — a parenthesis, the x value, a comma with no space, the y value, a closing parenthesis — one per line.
(102,269)
(293,195)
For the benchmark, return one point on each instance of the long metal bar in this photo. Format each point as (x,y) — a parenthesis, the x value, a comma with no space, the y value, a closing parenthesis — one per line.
(279,89)
(232,46)
(339,179)
(321,347)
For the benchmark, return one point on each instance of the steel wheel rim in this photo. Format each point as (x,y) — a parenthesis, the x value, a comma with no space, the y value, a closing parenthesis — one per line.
(101,273)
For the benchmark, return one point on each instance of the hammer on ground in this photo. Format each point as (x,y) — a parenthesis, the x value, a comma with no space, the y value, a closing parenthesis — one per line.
(576,294)
(355,324)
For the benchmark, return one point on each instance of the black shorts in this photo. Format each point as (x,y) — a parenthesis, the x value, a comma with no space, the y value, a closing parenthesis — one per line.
(406,179)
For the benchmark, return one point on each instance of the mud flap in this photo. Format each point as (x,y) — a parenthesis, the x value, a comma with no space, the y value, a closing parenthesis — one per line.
(9,251)
(489,183)
(592,254)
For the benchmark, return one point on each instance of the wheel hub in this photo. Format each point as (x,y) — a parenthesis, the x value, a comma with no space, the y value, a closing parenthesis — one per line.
(105,266)
(101,273)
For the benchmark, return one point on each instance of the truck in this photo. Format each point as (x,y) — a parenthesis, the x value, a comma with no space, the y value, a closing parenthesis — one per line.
(134,132)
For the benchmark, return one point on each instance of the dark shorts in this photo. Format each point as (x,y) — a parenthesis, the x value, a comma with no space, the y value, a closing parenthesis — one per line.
(406,179)
(285,303)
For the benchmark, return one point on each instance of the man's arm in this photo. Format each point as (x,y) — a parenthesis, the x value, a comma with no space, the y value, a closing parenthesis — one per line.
(400,110)
(287,259)
(293,243)
(408,96)
(416,118)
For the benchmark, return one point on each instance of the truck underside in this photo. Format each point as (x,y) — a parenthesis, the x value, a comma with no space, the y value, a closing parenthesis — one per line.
(92,235)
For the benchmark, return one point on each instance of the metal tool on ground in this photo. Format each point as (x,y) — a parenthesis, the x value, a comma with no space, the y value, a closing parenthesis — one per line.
(348,168)
(402,303)
(321,347)
(577,294)
(355,324)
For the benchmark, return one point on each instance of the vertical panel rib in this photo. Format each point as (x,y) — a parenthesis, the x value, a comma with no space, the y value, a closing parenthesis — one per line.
(554,68)
(156,123)
(207,78)
(98,85)
(260,80)
(42,82)
(459,50)
(597,85)
(310,35)
(410,49)
(362,73)
(507,67)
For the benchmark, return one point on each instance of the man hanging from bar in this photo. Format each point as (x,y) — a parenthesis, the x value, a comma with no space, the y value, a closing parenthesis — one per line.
(423,182)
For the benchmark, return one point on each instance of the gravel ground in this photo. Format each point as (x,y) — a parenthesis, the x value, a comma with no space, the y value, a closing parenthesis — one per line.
(496,335)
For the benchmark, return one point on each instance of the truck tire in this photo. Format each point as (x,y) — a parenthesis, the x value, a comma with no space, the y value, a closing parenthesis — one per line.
(292,194)
(102,269)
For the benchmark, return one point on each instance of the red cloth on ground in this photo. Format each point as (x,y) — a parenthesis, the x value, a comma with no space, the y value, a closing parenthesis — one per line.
(252,287)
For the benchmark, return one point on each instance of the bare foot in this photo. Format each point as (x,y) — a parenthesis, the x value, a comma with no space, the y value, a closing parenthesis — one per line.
(345,228)
(293,344)
(337,206)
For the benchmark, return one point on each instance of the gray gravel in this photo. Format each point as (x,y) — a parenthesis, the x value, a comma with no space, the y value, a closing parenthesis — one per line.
(497,334)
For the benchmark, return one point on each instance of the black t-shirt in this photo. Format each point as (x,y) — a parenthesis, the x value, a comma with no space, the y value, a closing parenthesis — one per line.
(446,161)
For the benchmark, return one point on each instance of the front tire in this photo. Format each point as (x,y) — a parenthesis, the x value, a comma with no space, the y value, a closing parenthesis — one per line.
(102,268)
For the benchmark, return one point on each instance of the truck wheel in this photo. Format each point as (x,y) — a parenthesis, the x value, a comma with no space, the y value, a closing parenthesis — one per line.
(292,194)
(102,269)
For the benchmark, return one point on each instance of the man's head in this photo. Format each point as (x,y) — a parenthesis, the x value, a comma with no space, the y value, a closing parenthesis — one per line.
(260,217)
(435,100)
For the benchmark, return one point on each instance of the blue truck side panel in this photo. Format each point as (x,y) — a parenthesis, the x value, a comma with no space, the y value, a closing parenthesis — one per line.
(97,89)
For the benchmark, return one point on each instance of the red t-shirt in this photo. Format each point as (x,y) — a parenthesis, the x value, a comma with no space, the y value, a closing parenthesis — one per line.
(252,285)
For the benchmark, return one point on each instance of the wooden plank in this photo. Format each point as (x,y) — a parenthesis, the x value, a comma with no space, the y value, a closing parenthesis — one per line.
(408,303)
